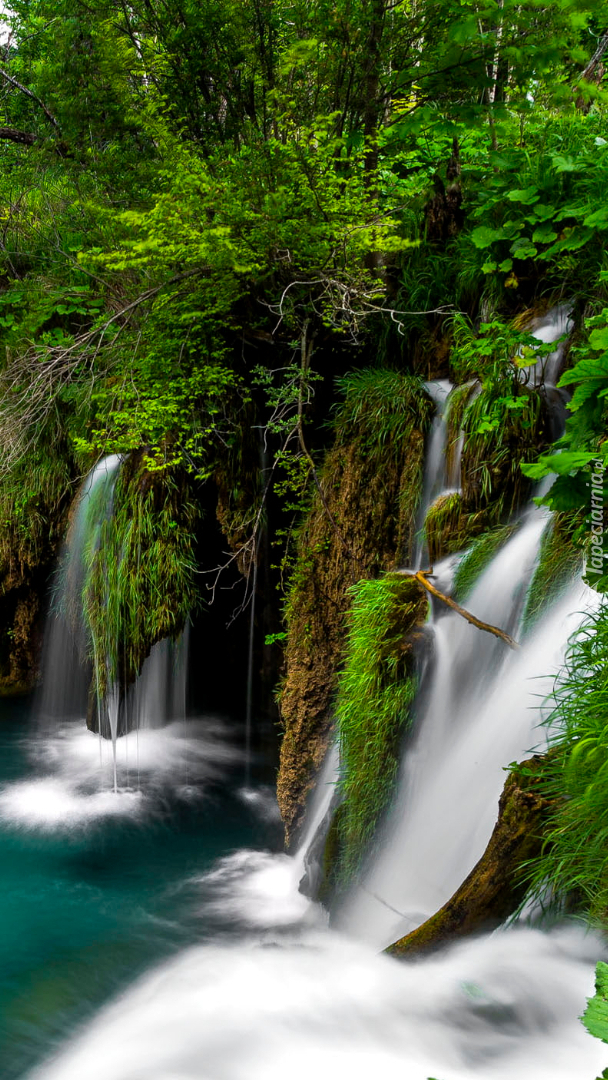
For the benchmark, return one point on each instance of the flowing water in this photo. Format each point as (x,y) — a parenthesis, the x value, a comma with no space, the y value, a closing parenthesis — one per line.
(143,858)
(482,712)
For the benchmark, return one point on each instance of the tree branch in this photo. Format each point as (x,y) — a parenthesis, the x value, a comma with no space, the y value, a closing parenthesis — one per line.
(422,577)
(24,90)
(25,138)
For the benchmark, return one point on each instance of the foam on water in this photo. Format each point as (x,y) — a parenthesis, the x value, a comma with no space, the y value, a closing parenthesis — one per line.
(496,1008)
(257,888)
(73,782)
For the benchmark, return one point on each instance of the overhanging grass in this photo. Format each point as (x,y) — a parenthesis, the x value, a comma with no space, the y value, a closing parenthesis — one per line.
(559,562)
(574,860)
(139,584)
(375,694)
(477,557)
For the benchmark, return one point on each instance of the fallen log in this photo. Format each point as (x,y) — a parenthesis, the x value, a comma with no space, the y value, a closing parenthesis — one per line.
(495,887)
(422,576)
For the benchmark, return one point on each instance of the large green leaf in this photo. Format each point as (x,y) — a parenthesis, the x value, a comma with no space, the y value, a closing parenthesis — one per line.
(484,236)
(595,1017)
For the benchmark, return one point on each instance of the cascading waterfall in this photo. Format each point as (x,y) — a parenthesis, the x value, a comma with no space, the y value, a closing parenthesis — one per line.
(70,699)
(499,1006)
(482,712)
(435,477)
(66,675)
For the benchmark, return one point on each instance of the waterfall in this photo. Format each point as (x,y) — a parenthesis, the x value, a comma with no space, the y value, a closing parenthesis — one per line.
(435,479)
(70,691)
(481,711)
(66,675)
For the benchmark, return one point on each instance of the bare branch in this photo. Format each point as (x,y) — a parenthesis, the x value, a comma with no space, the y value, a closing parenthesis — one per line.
(422,576)
(24,90)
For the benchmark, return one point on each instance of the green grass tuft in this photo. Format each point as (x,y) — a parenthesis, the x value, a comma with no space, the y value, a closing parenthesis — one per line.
(375,694)
(574,860)
(559,563)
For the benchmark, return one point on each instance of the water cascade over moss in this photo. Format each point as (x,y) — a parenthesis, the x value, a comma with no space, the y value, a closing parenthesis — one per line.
(139,584)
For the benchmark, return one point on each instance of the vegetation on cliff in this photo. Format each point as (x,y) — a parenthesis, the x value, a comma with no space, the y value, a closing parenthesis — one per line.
(361,521)
(235,237)
(376,690)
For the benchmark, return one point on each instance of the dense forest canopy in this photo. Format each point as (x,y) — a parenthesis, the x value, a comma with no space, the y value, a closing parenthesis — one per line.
(188,190)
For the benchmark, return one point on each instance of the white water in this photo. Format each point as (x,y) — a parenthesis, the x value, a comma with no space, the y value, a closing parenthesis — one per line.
(435,466)
(291,997)
(557,323)
(312,1004)
(72,786)
(482,712)
(157,697)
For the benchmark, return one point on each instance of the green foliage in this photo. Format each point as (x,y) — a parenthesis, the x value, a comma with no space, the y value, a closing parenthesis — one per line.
(595,1017)
(33,501)
(545,210)
(477,557)
(375,693)
(583,443)
(574,859)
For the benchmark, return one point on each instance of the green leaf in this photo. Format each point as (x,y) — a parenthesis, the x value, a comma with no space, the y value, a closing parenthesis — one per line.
(562,464)
(527,196)
(483,236)
(599,219)
(523,249)
(595,1017)
(544,234)
(598,339)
